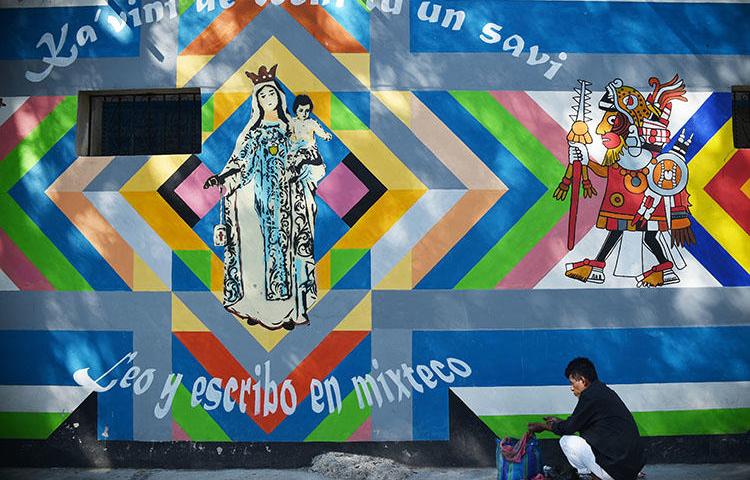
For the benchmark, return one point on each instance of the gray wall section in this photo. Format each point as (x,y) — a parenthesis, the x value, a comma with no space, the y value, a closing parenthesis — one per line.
(155,67)
(147,314)
(393,420)
(559,309)
(394,67)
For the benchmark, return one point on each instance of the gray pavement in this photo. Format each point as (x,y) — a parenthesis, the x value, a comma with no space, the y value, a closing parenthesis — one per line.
(729,471)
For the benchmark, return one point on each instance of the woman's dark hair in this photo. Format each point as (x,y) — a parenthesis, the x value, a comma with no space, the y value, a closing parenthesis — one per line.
(279,108)
(581,367)
(300,101)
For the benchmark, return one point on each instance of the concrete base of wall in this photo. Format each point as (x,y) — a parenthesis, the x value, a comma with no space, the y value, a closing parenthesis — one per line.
(471,444)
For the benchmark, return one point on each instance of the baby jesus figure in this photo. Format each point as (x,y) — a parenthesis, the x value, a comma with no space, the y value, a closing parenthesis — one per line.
(307,162)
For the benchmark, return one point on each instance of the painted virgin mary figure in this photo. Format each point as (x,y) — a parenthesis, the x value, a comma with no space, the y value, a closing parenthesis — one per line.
(269,269)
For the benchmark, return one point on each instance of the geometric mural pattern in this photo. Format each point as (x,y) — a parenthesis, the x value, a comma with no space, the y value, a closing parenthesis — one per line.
(426,190)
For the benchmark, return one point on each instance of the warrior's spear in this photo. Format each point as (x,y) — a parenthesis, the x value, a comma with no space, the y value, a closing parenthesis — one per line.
(579,133)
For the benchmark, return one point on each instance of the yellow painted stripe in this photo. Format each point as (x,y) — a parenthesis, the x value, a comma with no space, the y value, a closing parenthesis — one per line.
(399,103)
(144,278)
(295,75)
(379,160)
(358,64)
(217,274)
(188,66)
(154,173)
(323,272)
(379,218)
(704,167)
(359,319)
(184,320)
(225,103)
(165,222)
(746,188)
(400,278)
(268,339)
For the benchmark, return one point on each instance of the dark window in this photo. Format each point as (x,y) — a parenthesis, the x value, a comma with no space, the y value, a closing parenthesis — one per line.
(139,122)
(741,116)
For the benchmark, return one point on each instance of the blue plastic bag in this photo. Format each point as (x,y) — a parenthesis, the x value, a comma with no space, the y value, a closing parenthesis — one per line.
(518,459)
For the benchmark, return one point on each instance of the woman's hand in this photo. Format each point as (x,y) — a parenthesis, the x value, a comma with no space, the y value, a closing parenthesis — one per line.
(213,181)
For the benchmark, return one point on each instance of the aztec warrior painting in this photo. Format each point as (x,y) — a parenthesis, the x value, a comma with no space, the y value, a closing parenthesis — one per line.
(400,220)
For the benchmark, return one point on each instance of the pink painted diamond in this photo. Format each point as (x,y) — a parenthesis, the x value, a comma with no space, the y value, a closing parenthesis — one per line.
(341,189)
(191,191)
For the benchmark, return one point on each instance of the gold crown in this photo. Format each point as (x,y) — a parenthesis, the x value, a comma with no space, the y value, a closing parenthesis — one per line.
(264,75)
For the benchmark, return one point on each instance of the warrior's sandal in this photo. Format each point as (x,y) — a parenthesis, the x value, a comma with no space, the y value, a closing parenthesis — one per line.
(659,275)
(586,271)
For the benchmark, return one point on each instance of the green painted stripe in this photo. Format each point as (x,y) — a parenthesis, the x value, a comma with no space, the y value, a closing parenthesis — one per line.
(199,262)
(342,118)
(513,135)
(650,424)
(196,422)
(184,5)
(515,244)
(514,425)
(339,426)
(33,147)
(30,425)
(693,422)
(540,218)
(38,248)
(343,260)
(363,4)
(207,116)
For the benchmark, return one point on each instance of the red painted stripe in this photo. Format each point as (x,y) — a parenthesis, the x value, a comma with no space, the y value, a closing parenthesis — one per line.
(324,28)
(24,120)
(18,267)
(726,186)
(219,363)
(222,30)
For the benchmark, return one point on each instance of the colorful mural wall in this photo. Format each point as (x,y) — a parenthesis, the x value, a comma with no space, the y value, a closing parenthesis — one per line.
(433,238)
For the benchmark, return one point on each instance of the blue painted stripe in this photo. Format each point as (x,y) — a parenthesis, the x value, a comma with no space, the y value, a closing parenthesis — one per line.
(49,357)
(705,122)
(39,357)
(539,357)
(358,103)
(205,229)
(183,279)
(354,19)
(593,27)
(329,228)
(193,22)
(29,193)
(27,25)
(716,259)
(523,191)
